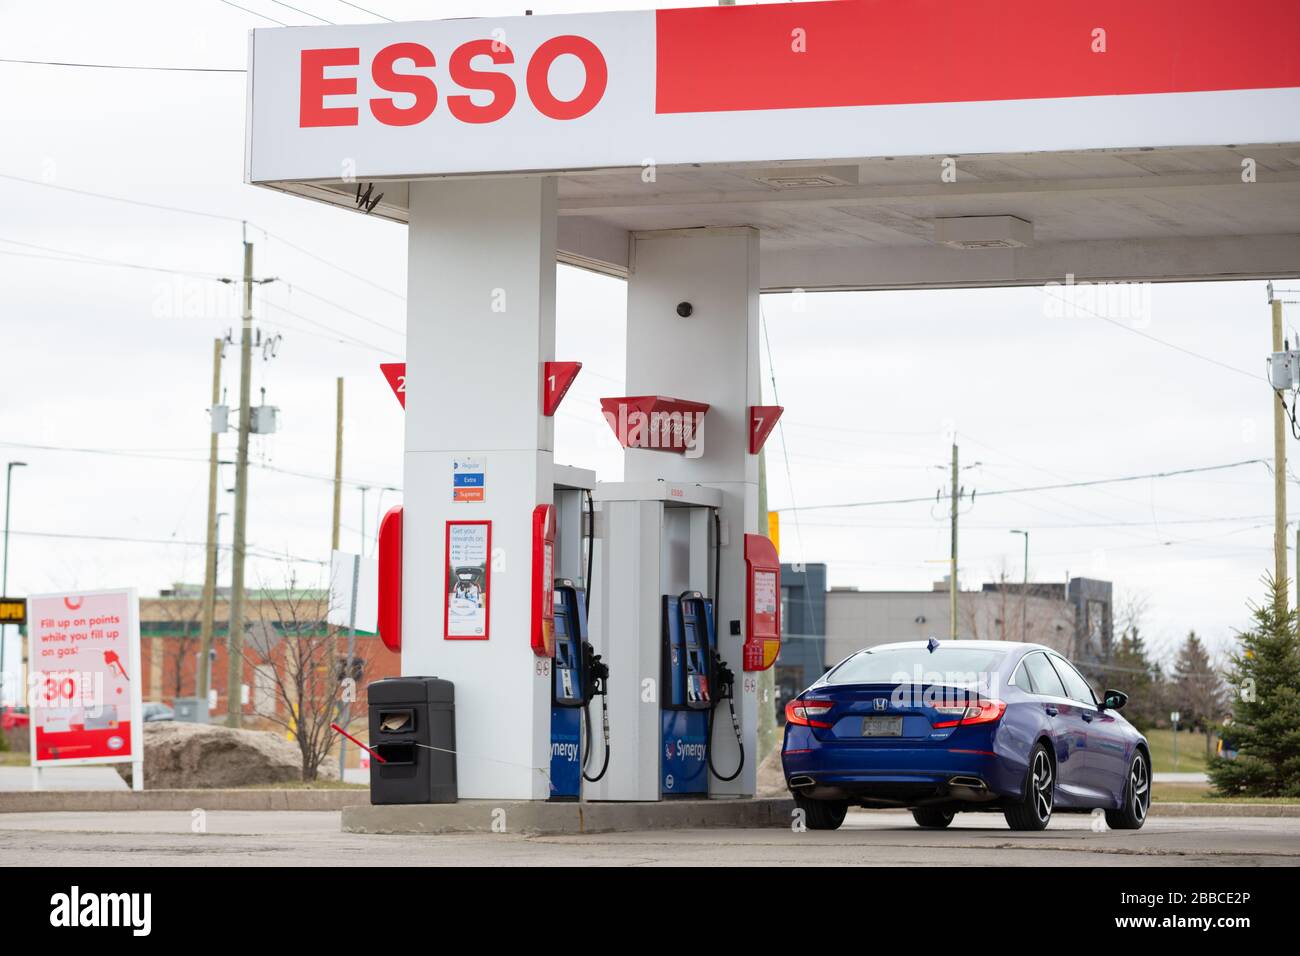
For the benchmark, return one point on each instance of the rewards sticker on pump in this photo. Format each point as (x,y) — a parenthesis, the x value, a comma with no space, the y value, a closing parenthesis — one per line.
(469,571)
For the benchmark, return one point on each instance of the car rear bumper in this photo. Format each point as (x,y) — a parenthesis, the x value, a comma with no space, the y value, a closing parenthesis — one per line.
(931,773)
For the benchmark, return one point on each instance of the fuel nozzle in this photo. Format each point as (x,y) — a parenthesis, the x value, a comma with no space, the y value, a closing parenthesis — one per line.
(597,670)
(723,677)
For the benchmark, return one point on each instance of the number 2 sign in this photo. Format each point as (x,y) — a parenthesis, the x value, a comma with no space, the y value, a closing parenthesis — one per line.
(395,372)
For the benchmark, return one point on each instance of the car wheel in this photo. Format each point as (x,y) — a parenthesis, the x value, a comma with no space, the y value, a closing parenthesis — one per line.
(932,818)
(1033,811)
(1137,797)
(821,814)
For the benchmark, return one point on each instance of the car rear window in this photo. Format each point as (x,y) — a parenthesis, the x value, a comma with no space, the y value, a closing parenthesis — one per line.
(947,664)
(1044,677)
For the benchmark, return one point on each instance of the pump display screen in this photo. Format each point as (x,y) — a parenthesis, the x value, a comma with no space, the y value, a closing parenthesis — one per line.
(568,681)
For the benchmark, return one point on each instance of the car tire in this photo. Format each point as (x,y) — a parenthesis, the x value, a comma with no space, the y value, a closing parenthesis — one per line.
(821,814)
(932,818)
(1033,811)
(1137,796)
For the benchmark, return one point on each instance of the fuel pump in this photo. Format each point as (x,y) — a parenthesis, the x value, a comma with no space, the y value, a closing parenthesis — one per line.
(688,691)
(579,674)
(696,680)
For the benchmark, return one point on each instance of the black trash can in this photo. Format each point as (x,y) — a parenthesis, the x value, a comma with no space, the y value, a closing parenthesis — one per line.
(413,728)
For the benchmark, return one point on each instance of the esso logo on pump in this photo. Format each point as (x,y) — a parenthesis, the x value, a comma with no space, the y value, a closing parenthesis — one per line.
(472,67)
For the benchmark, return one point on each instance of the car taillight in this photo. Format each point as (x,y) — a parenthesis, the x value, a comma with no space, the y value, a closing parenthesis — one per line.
(980,712)
(805,712)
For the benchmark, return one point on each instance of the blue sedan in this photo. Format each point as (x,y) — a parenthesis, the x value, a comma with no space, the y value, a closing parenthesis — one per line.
(941,727)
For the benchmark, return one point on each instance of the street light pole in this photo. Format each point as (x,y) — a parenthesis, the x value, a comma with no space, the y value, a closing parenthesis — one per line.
(1024,591)
(4,574)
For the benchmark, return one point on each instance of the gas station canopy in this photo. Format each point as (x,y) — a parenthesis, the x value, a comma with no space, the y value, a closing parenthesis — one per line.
(1102,139)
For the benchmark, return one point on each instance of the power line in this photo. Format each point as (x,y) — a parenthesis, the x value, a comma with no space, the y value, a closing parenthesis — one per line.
(254,13)
(122,199)
(281,3)
(332,265)
(86,259)
(59,535)
(1152,338)
(343,308)
(164,207)
(151,455)
(364,10)
(126,66)
(785,448)
(1015,491)
(351,339)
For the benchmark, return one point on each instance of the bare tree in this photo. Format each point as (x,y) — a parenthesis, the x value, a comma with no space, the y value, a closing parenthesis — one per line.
(1009,612)
(182,612)
(300,661)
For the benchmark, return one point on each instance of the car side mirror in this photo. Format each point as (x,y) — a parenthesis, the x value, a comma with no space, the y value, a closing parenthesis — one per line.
(1114,700)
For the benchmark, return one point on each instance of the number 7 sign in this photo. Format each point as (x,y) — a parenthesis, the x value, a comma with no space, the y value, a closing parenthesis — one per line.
(762,419)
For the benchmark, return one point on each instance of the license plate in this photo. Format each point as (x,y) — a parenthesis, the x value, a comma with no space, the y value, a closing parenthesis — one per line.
(882,726)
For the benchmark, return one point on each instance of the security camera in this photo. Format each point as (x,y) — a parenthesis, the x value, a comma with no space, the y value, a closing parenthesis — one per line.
(684,309)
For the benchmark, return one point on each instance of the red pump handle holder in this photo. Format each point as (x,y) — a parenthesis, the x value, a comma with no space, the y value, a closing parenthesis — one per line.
(762,603)
(390,579)
(542,639)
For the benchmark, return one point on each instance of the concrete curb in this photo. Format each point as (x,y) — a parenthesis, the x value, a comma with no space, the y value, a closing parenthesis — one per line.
(535,818)
(94,801)
(1225,809)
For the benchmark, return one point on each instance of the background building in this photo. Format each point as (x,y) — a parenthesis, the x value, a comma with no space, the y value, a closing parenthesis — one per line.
(1073,618)
(803,623)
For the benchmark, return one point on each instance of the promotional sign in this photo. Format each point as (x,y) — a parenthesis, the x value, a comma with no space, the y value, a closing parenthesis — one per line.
(469,580)
(763,603)
(468,479)
(765,83)
(84,683)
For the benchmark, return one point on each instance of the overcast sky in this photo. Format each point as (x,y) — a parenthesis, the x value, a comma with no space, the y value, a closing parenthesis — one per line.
(118,360)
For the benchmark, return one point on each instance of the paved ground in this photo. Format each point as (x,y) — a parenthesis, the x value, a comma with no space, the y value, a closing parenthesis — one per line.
(1171,777)
(298,839)
(63,778)
(98,778)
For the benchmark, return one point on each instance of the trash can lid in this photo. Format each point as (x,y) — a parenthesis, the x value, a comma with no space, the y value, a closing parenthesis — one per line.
(411,690)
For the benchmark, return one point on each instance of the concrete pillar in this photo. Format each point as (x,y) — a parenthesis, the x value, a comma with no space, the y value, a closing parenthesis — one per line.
(480,323)
(710,356)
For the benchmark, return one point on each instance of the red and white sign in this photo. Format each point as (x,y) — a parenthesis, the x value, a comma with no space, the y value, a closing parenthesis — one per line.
(84,683)
(395,375)
(762,604)
(762,419)
(767,83)
(468,606)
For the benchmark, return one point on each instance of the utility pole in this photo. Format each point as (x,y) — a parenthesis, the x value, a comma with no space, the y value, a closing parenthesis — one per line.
(955,496)
(1279,471)
(1024,592)
(210,567)
(338,466)
(235,640)
(4,578)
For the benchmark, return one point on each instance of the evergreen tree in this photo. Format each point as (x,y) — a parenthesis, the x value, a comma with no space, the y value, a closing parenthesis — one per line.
(1197,688)
(1138,676)
(1264,677)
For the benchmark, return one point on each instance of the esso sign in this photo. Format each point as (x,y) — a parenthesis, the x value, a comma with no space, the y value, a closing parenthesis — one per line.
(405,68)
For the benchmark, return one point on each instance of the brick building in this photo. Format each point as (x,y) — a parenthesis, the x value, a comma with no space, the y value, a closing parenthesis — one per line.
(170,647)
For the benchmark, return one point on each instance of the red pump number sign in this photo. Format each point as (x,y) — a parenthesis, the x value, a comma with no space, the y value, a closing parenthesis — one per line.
(763,604)
(543,629)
